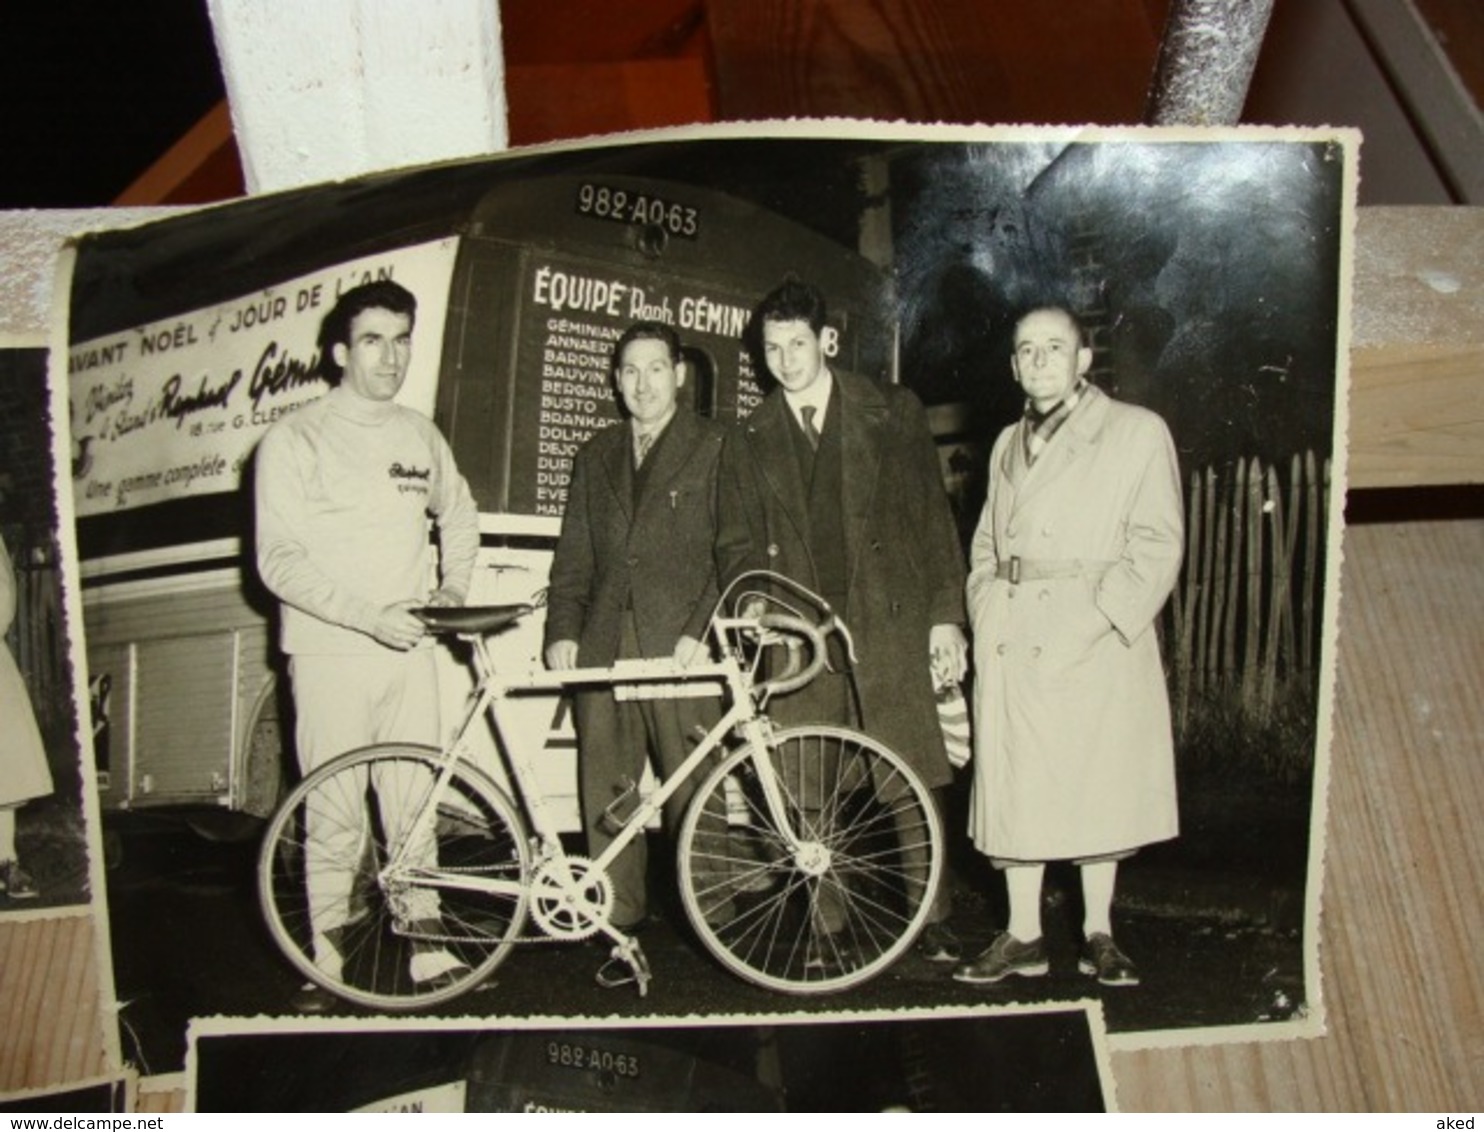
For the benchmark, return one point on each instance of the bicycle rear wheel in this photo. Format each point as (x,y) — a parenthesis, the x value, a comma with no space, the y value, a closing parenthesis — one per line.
(394,938)
(847,902)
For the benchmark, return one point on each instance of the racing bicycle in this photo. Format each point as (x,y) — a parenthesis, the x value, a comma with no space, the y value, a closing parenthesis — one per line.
(807,858)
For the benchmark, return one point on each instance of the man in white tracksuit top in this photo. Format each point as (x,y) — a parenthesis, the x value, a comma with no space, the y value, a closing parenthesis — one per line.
(345,487)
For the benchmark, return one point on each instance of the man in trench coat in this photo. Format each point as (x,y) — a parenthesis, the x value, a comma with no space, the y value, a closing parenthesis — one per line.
(634,576)
(1077,549)
(858,513)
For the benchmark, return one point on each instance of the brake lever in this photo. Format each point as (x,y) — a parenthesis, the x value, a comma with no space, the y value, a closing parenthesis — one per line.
(833,624)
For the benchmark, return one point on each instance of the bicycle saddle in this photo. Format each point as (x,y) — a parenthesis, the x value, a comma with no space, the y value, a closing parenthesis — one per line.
(471,618)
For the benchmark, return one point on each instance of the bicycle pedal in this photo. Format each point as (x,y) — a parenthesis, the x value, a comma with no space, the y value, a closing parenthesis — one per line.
(615,973)
(626,966)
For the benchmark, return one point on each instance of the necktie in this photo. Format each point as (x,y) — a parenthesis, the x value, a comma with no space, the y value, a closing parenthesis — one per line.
(643,442)
(811,433)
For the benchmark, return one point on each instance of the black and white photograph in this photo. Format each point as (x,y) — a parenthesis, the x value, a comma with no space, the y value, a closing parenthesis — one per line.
(54,1027)
(114,1094)
(43,825)
(944,1061)
(798,567)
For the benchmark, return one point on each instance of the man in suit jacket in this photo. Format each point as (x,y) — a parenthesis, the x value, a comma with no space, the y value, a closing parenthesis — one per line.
(834,482)
(634,576)
(1076,552)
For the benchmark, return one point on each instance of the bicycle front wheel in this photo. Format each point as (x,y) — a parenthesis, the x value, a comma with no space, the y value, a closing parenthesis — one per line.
(383,926)
(826,888)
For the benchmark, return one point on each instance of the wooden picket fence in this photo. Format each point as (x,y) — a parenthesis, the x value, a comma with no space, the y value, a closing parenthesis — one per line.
(1244,620)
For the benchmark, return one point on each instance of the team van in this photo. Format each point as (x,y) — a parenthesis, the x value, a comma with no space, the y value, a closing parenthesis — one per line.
(522,293)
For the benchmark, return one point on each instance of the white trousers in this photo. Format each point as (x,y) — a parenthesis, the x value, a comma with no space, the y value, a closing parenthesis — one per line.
(342,703)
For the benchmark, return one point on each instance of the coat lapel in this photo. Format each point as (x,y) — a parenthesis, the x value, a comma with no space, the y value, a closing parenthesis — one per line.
(672,454)
(863,417)
(768,429)
(1068,448)
(618,463)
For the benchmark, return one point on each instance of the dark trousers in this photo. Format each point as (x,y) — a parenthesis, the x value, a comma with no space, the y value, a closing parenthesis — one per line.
(833,698)
(615,739)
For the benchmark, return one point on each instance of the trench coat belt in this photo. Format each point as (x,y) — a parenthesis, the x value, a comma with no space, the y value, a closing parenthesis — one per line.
(1016,569)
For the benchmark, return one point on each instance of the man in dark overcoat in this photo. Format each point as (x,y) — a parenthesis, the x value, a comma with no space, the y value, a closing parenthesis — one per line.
(634,576)
(834,482)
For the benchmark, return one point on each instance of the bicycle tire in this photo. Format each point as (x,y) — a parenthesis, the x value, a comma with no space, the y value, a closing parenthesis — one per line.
(764,911)
(344,816)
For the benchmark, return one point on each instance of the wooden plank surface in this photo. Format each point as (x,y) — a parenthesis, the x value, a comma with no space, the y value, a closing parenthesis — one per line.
(1417,348)
(1404,884)
(51,1019)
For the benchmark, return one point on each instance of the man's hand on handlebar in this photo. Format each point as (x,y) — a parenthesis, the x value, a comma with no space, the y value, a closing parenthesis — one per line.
(755,609)
(561,655)
(689,651)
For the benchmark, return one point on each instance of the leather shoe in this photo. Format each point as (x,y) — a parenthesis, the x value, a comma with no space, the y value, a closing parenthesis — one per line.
(830,954)
(433,966)
(1005,956)
(16,882)
(1103,958)
(312,998)
(938,944)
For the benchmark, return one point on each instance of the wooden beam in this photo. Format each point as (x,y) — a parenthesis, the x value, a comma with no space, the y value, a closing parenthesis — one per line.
(562,100)
(1429,87)
(199,168)
(1417,348)
(933,60)
(341,87)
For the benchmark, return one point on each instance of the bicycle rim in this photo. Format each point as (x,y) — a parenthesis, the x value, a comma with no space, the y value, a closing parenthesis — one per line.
(847,907)
(394,939)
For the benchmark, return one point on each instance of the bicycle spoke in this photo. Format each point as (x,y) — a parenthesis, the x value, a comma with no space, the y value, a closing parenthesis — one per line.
(840,896)
(395,881)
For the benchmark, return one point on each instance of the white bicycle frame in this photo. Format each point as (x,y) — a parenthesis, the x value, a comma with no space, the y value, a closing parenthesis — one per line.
(661,678)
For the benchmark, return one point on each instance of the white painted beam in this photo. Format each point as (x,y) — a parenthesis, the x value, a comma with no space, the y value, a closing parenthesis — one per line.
(330,89)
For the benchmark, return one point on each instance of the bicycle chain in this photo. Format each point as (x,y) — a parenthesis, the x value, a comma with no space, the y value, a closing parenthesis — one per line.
(525,939)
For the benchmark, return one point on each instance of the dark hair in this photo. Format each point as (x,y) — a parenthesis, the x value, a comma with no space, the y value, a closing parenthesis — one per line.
(791,300)
(643,331)
(1058,305)
(382,294)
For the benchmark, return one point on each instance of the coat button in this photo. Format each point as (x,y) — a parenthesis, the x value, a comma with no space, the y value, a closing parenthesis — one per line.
(633,560)
(772,550)
(1010,530)
(1044,594)
(1000,649)
(1036,652)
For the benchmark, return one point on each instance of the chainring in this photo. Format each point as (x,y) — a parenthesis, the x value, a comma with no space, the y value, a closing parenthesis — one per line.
(570,897)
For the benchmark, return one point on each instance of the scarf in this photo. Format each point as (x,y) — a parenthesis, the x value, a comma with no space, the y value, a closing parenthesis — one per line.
(1041,427)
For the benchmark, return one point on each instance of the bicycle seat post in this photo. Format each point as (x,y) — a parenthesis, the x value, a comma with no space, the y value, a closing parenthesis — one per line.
(484,661)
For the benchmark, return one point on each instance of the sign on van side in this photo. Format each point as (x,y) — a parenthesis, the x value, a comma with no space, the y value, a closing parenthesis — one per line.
(174,408)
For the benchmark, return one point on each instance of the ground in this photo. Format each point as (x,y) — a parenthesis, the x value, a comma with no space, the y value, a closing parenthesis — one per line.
(1214,920)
